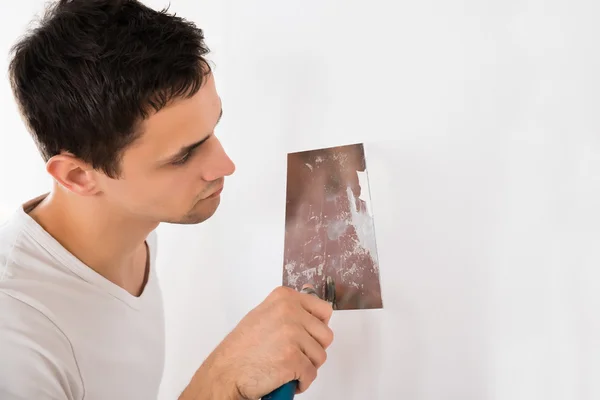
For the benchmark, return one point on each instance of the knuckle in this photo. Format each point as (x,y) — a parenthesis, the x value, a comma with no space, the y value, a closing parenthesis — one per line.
(284,308)
(276,293)
(321,358)
(280,292)
(288,332)
(328,337)
(311,373)
(290,352)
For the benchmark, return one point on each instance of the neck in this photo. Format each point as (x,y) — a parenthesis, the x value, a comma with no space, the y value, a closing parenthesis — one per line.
(110,242)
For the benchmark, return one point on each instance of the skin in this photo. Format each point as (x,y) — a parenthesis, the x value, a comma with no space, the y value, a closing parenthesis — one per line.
(282,339)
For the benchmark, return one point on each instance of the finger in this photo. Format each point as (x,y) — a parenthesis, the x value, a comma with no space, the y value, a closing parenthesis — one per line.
(307,373)
(317,307)
(313,350)
(318,330)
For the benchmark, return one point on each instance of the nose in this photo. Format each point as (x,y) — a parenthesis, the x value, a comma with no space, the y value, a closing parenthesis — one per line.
(219,165)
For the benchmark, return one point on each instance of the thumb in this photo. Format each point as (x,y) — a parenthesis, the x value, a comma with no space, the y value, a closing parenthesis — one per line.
(309,289)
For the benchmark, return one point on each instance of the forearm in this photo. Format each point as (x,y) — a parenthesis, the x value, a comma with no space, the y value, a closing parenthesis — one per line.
(210,382)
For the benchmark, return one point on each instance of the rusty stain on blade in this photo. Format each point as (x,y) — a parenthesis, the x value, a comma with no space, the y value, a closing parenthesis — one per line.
(329,228)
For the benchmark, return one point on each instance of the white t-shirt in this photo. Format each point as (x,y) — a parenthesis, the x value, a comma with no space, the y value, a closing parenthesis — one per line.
(66,332)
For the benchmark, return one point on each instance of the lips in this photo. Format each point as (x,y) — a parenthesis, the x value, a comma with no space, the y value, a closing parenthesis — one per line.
(215,194)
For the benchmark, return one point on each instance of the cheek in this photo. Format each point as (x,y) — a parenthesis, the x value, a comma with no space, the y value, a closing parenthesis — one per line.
(181,186)
(130,190)
(172,188)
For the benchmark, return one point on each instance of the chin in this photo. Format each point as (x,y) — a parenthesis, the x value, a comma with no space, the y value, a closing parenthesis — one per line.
(201,211)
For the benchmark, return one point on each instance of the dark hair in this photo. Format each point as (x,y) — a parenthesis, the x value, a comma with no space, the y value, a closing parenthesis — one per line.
(92,70)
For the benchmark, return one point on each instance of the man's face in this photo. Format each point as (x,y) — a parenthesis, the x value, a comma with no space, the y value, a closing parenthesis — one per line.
(174,172)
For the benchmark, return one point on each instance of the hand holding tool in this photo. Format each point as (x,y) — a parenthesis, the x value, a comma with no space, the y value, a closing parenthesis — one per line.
(288,391)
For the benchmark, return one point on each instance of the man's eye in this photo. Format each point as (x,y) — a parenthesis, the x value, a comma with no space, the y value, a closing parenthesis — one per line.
(183,159)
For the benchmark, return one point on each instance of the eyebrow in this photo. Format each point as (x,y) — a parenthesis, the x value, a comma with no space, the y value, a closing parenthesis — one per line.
(186,149)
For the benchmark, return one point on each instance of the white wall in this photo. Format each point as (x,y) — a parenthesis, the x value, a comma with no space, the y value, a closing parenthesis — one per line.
(483,151)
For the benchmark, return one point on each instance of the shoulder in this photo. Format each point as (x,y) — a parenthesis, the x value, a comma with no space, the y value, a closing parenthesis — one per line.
(37,358)
(11,233)
(10,230)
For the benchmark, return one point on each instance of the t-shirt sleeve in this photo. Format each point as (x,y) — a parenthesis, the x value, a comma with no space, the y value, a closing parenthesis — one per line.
(36,358)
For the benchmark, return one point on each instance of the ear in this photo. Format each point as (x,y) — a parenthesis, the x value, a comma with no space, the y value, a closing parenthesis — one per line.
(73,174)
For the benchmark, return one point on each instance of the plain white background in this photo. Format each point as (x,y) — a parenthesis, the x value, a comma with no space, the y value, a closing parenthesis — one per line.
(483,151)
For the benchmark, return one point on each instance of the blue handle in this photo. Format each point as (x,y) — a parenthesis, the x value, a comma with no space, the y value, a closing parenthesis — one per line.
(285,392)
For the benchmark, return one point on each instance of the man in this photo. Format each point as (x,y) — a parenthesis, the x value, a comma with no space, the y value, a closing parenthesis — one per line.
(123,107)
